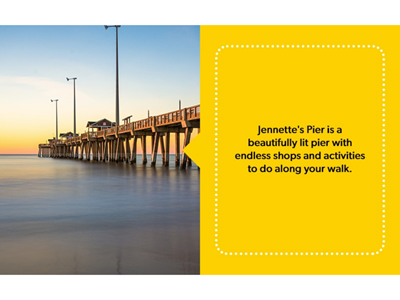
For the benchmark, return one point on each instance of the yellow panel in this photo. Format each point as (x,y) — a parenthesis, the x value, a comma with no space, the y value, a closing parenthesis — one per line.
(320,84)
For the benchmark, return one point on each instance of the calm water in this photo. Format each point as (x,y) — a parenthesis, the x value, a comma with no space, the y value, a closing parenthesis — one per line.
(61,216)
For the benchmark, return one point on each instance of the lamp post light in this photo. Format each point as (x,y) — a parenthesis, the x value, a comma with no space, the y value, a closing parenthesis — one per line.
(68,79)
(56,117)
(116,79)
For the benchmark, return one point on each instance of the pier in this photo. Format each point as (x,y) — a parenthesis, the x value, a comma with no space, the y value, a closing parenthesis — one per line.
(120,143)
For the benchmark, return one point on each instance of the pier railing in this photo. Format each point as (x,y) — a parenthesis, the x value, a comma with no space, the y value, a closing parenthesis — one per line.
(143,124)
(57,142)
(111,130)
(193,112)
(125,127)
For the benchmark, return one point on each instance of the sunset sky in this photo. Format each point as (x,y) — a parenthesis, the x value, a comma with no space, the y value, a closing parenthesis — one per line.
(158,65)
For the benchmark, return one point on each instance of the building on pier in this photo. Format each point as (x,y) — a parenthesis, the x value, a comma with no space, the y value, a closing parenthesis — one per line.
(100,125)
(68,135)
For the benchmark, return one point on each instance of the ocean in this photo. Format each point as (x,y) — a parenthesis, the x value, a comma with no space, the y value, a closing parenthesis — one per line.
(63,216)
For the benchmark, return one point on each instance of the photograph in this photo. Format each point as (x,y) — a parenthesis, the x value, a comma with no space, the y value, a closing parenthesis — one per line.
(93,174)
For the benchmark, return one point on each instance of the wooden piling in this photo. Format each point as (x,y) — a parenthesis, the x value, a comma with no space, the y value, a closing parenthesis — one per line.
(82,146)
(122,149)
(177,149)
(144,152)
(88,146)
(127,151)
(154,149)
(112,149)
(167,140)
(188,132)
(117,147)
(106,146)
(134,143)
(162,149)
(94,151)
(103,150)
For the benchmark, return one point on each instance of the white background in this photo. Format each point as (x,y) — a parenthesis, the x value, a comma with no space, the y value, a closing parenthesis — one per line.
(186,12)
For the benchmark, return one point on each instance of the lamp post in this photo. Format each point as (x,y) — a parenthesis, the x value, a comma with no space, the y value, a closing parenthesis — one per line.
(68,79)
(56,117)
(116,79)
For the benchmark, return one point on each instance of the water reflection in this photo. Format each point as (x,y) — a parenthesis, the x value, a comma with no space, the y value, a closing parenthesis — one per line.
(73,217)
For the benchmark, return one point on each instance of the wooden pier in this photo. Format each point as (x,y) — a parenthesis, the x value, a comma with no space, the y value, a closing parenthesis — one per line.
(120,144)
(44,150)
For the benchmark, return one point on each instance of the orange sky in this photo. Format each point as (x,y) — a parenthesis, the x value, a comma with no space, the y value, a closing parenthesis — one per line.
(10,144)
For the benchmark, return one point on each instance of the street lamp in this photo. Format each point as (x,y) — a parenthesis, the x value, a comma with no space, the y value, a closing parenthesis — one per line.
(56,117)
(68,79)
(117,82)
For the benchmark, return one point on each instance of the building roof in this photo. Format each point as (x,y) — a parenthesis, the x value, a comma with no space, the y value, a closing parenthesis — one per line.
(67,134)
(100,123)
(127,117)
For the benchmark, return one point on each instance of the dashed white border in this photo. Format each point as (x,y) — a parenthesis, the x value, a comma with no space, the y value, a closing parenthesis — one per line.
(383,150)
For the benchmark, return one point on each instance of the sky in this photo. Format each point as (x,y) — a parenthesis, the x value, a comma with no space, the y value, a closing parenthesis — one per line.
(158,66)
